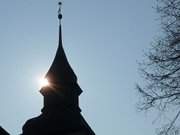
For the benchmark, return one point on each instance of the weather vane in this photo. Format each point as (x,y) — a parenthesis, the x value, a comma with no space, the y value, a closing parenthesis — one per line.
(59,11)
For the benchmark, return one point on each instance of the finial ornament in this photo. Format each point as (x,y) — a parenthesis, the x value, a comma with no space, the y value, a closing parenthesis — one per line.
(59,11)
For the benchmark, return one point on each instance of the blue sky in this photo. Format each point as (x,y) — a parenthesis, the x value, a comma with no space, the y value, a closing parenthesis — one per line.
(103,41)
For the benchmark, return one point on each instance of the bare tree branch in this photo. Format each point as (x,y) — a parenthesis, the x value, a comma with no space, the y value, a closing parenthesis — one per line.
(161,69)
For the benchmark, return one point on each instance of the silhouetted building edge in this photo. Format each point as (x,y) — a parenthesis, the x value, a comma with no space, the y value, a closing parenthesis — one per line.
(3,132)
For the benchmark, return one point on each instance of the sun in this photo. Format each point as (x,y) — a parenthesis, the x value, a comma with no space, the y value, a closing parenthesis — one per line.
(43,82)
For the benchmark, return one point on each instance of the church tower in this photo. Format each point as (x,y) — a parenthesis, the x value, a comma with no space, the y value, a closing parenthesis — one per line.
(61,114)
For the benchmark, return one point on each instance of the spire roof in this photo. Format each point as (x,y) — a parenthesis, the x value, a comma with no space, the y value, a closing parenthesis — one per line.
(60,73)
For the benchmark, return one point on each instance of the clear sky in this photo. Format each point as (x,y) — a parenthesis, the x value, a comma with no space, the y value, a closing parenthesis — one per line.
(103,40)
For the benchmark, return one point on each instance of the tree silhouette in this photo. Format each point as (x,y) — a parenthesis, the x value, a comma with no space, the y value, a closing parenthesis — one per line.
(161,68)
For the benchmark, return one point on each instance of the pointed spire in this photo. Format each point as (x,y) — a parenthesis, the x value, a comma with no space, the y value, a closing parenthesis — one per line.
(60,73)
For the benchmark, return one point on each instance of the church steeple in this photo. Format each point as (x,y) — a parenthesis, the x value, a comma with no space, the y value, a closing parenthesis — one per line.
(61,114)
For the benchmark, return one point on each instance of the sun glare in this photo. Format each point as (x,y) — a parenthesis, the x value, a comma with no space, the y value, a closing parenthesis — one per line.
(43,82)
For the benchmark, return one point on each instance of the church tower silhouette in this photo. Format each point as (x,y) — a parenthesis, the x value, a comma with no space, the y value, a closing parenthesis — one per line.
(61,114)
